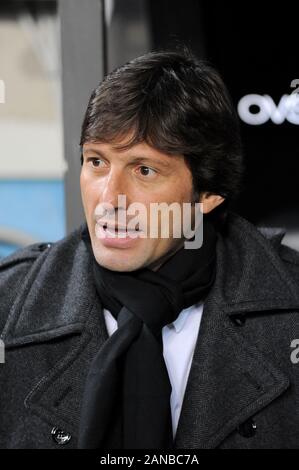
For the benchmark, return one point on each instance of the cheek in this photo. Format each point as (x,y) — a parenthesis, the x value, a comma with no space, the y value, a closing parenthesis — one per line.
(89,195)
(177,194)
(184,190)
(83,182)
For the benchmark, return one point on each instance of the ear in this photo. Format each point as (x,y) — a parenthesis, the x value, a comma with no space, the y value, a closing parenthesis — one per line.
(210,201)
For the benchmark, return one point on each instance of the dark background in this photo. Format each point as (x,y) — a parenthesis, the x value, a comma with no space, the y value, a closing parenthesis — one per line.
(256,50)
(255,46)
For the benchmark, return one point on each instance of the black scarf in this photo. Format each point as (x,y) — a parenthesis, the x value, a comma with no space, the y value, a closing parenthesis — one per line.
(126,401)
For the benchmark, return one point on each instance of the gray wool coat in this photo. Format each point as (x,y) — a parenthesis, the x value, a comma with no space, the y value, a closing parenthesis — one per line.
(243,387)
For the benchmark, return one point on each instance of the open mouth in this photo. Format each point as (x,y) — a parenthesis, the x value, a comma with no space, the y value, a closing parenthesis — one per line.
(119,232)
(116,236)
(119,229)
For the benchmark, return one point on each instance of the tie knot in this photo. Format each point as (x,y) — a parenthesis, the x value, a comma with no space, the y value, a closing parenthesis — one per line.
(124,316)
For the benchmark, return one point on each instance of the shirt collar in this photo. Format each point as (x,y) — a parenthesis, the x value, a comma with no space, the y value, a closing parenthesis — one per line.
(179,323)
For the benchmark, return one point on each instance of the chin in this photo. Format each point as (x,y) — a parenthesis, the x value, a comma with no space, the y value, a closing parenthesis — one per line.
(116,263)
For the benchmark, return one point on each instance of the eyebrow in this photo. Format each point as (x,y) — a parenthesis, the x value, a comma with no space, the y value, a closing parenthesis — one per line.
(137,159)
(150,161)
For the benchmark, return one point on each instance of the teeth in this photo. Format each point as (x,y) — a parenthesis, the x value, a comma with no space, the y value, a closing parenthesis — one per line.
(115,230)
(136,229)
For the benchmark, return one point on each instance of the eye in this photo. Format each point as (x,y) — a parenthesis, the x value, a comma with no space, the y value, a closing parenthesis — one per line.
(146,171)
(95,162)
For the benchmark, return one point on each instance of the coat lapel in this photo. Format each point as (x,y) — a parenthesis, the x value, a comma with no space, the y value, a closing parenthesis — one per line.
(58,309)
(57,397)
(230,379)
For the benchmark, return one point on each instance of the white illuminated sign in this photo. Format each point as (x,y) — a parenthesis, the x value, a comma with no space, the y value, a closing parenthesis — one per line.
(266,109)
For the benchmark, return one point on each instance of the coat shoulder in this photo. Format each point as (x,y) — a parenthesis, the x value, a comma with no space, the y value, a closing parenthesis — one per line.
(290,257)
(13,272)
(23,255)
(274,237)
(19,270)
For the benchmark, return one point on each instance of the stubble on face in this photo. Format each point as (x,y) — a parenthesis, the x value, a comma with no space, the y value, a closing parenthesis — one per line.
(169,181)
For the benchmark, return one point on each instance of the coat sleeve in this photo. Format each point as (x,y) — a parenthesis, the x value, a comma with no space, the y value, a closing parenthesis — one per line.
(13,272)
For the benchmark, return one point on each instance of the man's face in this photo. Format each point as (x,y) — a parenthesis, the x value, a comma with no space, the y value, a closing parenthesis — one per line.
(144,175)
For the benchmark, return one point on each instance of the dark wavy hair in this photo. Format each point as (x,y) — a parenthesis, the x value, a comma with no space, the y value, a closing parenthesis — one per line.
(178,105)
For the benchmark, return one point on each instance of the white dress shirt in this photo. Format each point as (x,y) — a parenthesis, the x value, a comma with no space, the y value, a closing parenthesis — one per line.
(179,339)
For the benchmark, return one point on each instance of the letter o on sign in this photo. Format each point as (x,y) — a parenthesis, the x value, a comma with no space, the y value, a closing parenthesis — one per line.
(255,119)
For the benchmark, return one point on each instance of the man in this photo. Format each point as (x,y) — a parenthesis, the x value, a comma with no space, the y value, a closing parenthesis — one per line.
(115,338)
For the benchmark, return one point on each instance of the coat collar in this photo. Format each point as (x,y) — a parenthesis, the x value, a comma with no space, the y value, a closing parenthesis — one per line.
(59,291)
(251,277)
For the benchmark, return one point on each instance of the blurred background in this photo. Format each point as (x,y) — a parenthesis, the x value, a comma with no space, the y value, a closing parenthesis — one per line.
(53,53)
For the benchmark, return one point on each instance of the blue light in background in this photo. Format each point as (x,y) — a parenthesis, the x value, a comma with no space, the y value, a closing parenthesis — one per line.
(6,249)
(33,207)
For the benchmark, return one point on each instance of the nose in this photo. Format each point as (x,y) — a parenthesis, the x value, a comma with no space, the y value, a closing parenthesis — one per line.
(114,185)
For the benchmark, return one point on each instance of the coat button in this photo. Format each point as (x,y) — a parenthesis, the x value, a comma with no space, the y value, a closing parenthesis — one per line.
(239,320)
(60,437)
(247,429)
(44,246)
